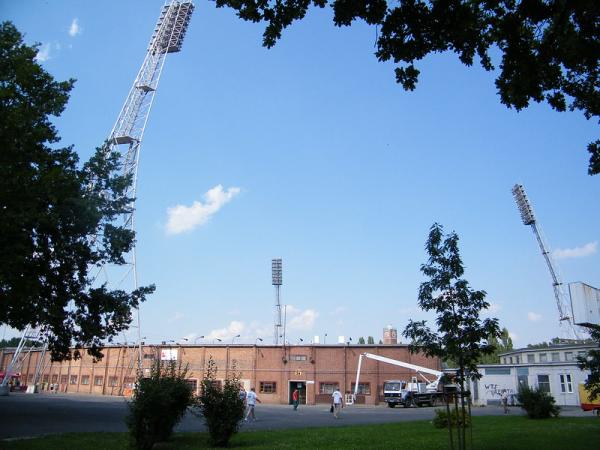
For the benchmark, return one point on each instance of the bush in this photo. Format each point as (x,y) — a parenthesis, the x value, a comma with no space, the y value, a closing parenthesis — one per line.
(158,404)
(538,404)
(441,419)
(222,408)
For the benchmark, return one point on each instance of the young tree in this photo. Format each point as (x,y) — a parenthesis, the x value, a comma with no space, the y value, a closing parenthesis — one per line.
(361,340)
(222,408)
(370,340)
(591,362)
(56,216)
(461,335)
(549,48)
(502,345)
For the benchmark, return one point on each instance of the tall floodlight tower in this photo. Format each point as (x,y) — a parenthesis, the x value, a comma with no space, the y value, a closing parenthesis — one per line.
(276,271)
(128,131)
(526,210)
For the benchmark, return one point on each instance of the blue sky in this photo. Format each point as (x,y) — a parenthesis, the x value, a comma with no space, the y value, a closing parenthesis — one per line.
(311,152)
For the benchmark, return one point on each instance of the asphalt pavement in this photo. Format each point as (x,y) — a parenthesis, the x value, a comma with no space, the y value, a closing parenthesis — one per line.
(25,415)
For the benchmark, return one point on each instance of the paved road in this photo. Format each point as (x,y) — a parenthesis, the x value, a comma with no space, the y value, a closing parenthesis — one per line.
(25,415)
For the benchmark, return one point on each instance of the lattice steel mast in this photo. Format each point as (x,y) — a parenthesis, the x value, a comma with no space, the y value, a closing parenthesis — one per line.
(528,218)
(276,270)
(128,131)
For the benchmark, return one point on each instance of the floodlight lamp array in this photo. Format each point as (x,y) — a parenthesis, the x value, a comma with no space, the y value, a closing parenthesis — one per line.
(523,204)
(171,27)
(276,266)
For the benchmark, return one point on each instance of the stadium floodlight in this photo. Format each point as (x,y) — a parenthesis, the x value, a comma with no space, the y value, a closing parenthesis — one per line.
(523,204)
(276,266)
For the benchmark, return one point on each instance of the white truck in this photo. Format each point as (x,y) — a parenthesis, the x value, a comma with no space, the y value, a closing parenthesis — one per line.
(405,393)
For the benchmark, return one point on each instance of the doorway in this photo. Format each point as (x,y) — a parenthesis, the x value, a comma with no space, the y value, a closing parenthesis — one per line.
(301,386)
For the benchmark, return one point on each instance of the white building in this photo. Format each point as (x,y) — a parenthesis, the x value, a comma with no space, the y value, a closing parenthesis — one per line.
(553,369)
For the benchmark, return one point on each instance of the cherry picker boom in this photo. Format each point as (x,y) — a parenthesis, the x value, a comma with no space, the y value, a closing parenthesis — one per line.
(403,392)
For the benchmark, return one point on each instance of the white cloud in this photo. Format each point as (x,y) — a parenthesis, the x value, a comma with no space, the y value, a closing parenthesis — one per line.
(338,310)
(298,319)
(75,29)
(183,218)
(43,53)
(491,310)
(533,317)
(514,336)
(176,317)
(578,252)
(234,328)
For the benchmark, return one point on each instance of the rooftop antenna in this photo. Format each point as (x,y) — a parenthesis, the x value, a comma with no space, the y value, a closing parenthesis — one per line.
(528,218)
(276,271)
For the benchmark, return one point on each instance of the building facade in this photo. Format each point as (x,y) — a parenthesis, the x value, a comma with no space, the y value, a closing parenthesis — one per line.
(552,369)
(274,371)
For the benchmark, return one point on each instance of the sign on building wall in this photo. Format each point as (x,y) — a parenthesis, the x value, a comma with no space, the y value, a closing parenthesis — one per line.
(168,354)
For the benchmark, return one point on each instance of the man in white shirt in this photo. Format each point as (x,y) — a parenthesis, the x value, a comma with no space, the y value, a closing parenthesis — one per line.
(338,403)
(251,400)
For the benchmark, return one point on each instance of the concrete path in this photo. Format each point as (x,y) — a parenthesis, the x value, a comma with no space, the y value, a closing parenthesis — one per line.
(24,415)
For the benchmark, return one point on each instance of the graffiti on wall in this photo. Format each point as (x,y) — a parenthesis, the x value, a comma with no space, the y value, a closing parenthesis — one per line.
(493,390)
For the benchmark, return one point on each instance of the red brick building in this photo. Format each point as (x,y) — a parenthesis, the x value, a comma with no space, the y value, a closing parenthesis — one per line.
(274,371)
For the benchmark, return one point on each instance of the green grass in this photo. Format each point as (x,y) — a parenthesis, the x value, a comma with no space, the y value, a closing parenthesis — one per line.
(489,433)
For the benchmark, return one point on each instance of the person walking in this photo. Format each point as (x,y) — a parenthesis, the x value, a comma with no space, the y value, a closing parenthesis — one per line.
(338,403)
(504,400)
(251,400)
(295,399)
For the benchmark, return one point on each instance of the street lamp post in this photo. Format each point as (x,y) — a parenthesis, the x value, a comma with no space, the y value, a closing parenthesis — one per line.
(216,339)
(233,338)
(196,339)
(257,339)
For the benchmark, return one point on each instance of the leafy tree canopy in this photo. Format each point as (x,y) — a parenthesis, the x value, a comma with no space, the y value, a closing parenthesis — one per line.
(13,342)
(56,216)
(549,48)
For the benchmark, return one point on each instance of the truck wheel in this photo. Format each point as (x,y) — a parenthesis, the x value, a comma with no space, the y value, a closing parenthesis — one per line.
(391,405)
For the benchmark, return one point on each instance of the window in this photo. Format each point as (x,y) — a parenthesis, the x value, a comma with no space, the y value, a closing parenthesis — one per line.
(504,360)
(30,378)
(218,384)
(497,371)
(45,379)
(510,360)
(193,383)
(298,357)
(544,383)
(530,358)
(568,356)
(543,357)
(55,378)
(517,358)
(148,355)
(327,388)
(113,381)
(555,357)
(73,379)
(85,380)
(268,387)
(566,385)
(363,388)
(98,380)
(128,382)
(63,379)
(582,354)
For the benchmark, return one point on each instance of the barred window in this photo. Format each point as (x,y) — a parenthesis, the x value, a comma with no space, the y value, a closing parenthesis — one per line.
(63,379)
(327,387)
(55,378)
(98,380)
(85,380)
(45,378)
(129,382)
(363,388)
(297,357)
(268,387)
(113,381)
(73,379)
(193,383)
